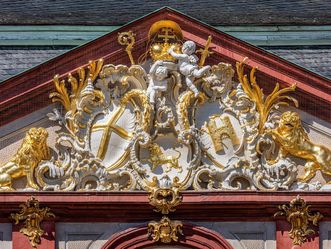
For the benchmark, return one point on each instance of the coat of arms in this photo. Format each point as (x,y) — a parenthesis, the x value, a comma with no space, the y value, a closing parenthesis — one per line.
(168,121)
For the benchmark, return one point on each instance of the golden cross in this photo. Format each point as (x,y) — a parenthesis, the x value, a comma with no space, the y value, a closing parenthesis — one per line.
(205,52)
(108,128)
(166,34)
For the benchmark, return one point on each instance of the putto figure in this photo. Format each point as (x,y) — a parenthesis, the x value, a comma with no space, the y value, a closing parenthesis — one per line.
(188,65)
(158,81)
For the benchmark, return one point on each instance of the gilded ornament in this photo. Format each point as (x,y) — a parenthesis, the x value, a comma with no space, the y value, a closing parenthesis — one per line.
(205,53)
(294,140)
(71,99)
(264,104)
(162,36)
(183,107)
(32,151)
(145,118)
(159,25)
(165,230)
(164,199)
(115,114)
(33,216)
(299,216)
(127,39)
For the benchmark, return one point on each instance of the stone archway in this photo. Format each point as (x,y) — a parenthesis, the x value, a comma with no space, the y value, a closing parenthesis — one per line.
(194,237)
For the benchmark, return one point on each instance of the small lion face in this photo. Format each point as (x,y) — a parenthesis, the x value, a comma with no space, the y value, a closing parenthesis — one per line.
(38,135)
(290,120)
(155,149)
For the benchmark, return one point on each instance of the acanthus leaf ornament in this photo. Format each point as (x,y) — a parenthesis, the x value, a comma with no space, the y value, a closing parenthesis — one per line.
(165,230)
(165,200)
(299,216)
(33,216)
(264,104)
(81,98)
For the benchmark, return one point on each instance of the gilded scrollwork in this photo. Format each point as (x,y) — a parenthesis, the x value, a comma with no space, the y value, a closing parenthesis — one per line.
(187,101)
(33,216)
(165,200)
(127,39)
(139,127)
(297,213)
(264,105)
(145,116)
(165,230)
(78,100)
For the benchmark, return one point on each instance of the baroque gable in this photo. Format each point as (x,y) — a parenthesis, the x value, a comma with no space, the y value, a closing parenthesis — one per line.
(175,117)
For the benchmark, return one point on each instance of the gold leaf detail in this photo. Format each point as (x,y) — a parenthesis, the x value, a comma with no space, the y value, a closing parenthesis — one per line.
(165,199)
(69,96)
(32,215)
(255,93)
(299,216)
(165,230)
(32,151)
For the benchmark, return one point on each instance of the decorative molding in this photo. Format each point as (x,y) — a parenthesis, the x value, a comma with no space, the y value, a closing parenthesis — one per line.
(299,216)
(243,235)
(118,206)
(35,84)
(32,216)
(165,230)
(200,238)
(165,200)
(64,35)
(141,128)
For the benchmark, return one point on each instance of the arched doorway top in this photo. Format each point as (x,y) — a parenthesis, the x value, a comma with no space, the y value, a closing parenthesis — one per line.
(194,237)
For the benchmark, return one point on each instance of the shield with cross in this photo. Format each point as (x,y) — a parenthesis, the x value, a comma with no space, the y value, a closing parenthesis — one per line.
(110,135)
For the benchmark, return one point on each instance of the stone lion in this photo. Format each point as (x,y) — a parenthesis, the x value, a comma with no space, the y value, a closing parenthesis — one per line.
(32,151)
(294,140)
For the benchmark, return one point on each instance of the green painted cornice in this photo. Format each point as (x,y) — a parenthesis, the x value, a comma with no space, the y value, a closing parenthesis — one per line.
(64,35)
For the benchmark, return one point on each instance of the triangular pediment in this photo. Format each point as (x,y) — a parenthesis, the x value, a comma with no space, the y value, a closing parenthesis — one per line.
(140,109)
(29,91)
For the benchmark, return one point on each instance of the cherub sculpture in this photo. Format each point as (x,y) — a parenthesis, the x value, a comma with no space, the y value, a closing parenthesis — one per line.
(158,81)
(188,65)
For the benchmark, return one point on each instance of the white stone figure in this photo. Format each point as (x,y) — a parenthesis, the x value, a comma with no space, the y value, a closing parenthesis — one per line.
(188,65)
(158,81)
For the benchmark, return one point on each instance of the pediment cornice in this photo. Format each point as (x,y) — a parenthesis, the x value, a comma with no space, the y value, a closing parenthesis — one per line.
(28,91)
